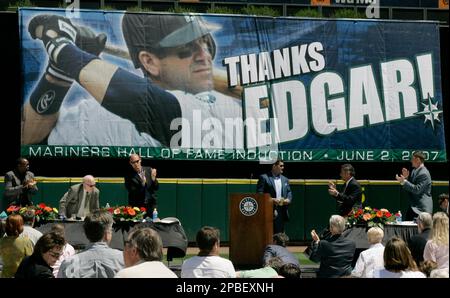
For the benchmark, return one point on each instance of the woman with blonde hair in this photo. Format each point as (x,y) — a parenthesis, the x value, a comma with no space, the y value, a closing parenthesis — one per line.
(436,249)
(398,261)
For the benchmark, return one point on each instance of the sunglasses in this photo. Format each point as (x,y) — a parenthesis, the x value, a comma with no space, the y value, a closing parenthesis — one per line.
(187,50)
(135,161)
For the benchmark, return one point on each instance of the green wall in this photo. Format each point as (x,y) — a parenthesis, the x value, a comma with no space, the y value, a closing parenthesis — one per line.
(199,202)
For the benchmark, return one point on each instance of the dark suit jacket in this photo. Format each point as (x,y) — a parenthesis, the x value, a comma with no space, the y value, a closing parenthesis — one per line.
(70,202)
(266,184)
(141,195)
(281,252)
(34,267)
(14,192)
(418,187)
(335,256)
(417,243)
(349,198)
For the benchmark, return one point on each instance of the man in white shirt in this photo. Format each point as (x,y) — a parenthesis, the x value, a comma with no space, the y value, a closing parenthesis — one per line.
(208,263)
(28,230)
(143,253)
(372,258)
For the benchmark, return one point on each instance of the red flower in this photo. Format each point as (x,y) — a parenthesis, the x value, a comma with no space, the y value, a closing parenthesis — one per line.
(379,213)
(143,209)
(41,205)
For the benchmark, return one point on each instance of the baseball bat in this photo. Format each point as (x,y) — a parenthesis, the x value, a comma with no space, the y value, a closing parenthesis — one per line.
(219,76)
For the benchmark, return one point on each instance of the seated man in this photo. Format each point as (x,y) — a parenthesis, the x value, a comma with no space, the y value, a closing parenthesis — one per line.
(278,249)
(334,254)
(98,260)
(208,263)
(28,230)
(416,243)
(81,199)
(270,270)
(143,253)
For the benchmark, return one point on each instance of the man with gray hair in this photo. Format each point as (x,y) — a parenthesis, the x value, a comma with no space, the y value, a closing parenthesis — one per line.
(98,260)
(335,254)
(372,258)
(417,242)
(80,200)
(142,253)
(28,222)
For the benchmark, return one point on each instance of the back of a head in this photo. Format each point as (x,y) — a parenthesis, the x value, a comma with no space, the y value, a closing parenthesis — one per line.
(275,262)
(28,216)
(397,256)
(58,228)
(148,244)
(442,197)
(290,270)
(427,266)
(337,223)
(375,235)
(206,238)
(47,242)
(96,224)
(14,225)
(440,228)
(281,239)
(426,220)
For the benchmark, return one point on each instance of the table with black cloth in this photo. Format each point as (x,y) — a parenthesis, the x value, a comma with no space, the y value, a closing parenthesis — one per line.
(359,235)
(172,235)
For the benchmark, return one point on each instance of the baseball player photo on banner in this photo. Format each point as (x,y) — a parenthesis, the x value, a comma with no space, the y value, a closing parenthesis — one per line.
(224,87)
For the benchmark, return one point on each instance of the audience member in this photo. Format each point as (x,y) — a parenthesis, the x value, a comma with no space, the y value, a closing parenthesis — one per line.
(68,249)
(335,254)
(143,253)
(81,199)
(417,242)
(398,261)
(278,249)
(20,185)
(46,252)
(418,186)
(12,247)
(372,258)
(28,230)
(141,184)
(443,202)
(270,270)
(436,248)
(351,194)
(208,263)
(290,271)
(98,260)
(427,266)
(277,186)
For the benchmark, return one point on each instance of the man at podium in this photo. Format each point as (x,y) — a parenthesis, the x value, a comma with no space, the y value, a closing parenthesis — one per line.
(277,186)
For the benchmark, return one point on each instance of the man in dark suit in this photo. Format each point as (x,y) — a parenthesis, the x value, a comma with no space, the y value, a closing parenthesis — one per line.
(20,185)
(81,199)
(278,249)
(418,186)
(334,254)
(351,194)
(141,184)
(417,242)
(277,185)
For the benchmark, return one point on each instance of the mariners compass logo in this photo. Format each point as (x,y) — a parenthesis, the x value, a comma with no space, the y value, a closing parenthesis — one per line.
(248,206)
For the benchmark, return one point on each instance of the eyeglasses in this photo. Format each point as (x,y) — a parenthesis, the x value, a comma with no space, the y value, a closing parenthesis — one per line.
(90,185)
(187,50)
(55,254)
(135,161)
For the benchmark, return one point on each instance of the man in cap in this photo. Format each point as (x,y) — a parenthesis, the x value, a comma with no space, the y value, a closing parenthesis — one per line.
(176,96)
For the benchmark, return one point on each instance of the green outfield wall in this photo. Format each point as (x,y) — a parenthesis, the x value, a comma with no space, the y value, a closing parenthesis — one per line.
(199,202)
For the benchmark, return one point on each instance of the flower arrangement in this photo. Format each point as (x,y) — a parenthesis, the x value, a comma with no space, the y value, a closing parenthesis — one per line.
(127,213)
(41,211)
(371,217)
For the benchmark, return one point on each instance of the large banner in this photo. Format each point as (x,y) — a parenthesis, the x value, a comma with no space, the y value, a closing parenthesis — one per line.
(216,87)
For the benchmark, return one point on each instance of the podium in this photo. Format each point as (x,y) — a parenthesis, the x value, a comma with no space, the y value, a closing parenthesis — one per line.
(251,227)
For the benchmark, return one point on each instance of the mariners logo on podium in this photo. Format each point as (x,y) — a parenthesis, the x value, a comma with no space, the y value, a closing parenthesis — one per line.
(248,206)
